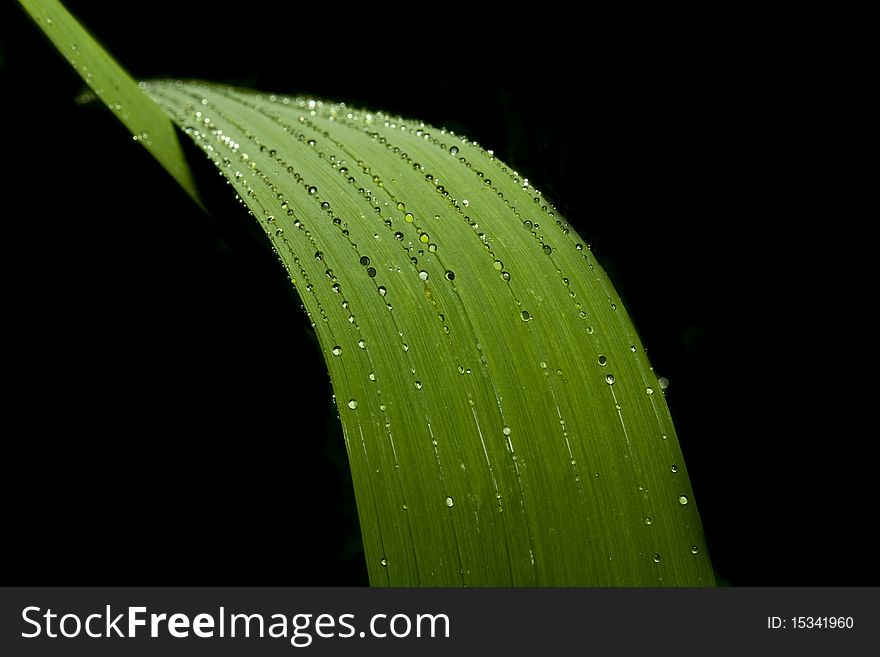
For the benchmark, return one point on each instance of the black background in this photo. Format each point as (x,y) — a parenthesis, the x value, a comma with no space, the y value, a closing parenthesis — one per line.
(168,416)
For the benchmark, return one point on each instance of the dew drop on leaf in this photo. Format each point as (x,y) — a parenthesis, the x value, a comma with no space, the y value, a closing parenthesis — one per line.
(609,379)
(648,520)
(602,360)
(524,315)
(313,190)
(656,558)
(506,431)
(352,404)
(423,275)
(336,351)
(384,561)
(450,502)
(683,500)
(450,275)
(453,150)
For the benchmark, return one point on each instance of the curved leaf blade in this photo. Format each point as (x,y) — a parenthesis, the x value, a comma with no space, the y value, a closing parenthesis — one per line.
(503,423)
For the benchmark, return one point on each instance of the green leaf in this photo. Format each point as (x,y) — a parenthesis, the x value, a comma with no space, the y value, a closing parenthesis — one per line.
(114,87)
(503,423)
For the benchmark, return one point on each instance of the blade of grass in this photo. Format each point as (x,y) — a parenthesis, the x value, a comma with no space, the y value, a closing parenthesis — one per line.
(114,87)
(503,424)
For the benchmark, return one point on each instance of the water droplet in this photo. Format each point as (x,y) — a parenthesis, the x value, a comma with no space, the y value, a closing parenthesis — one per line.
(384,561)
(453,150)
(663,382)
(498,265)
(313,190)
(602,360)
(423,275)
(649,390)
(648,520)
(325,205)
(674,468)
(362,344)
(524,315)
(336,351)
(547,249)
(432,248)
(656,558)
(527,224)
(450,502)
(609,379)
(319,255)
(632,348)
(405,346)
(382,290)
(409,217)
(418,385)
(371,272)
(372,376)
(352,404)
(506,431)
(505,276)
(694,549)
(450,275)
(664,436)
(683,500)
